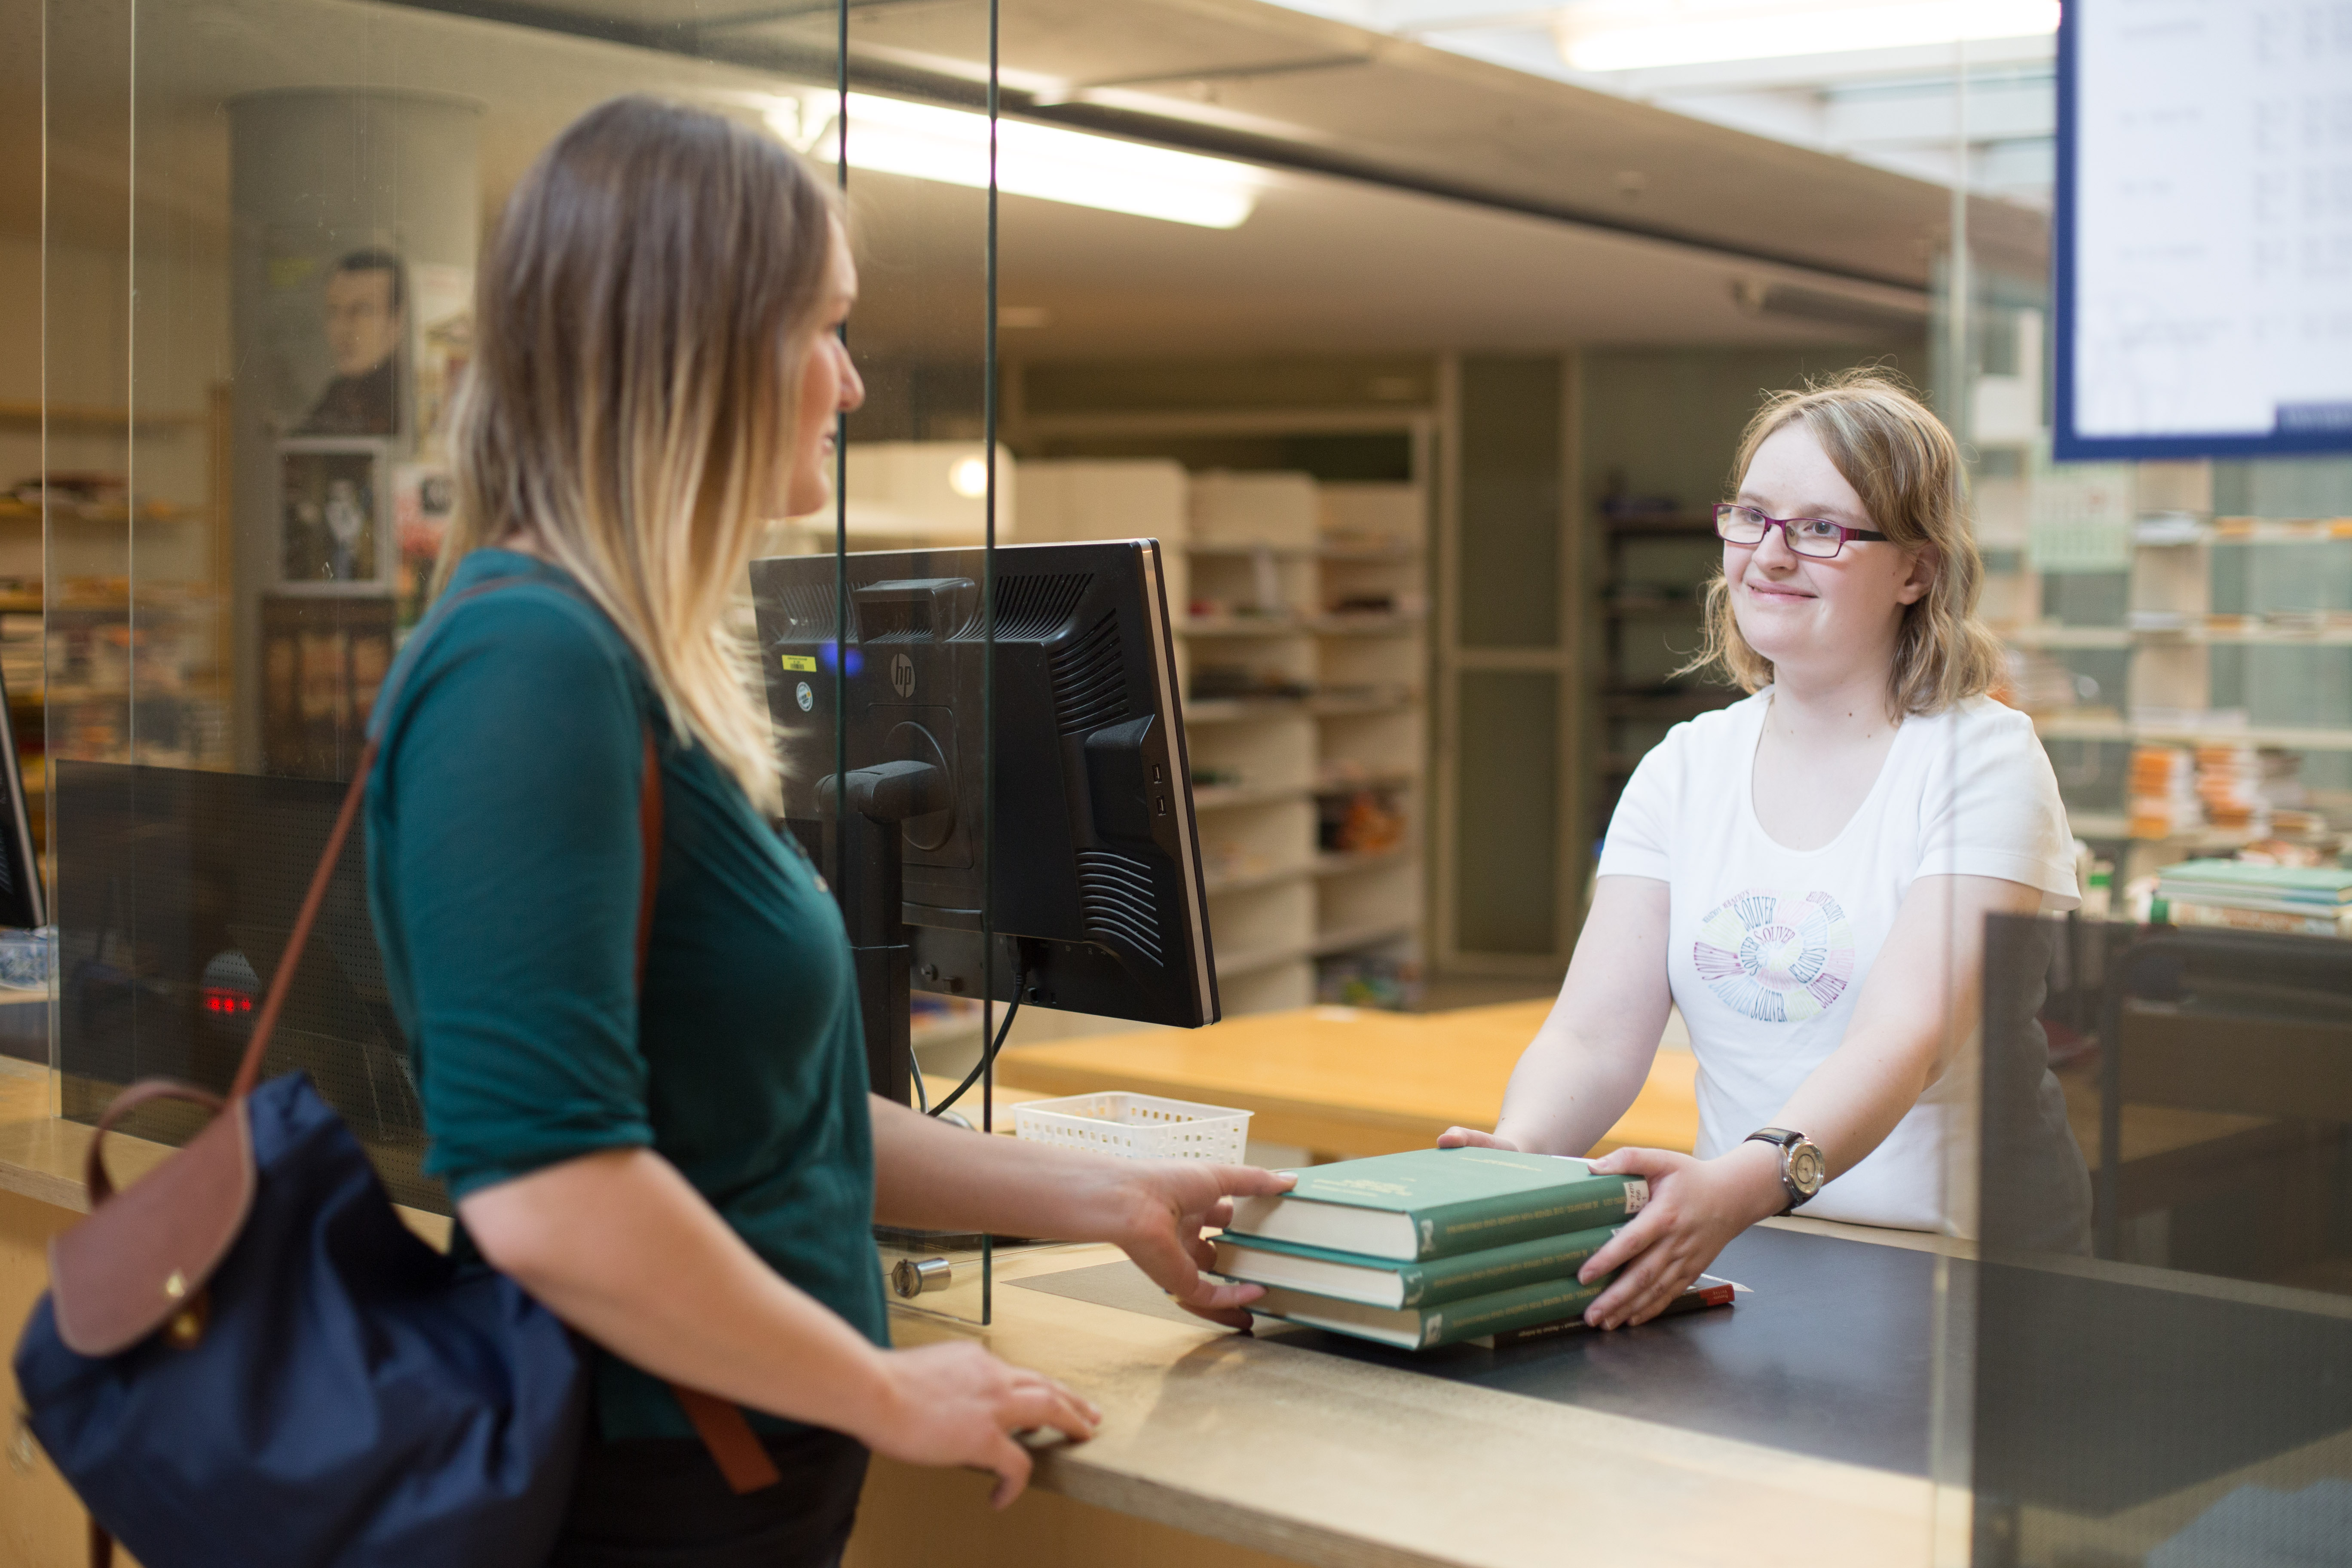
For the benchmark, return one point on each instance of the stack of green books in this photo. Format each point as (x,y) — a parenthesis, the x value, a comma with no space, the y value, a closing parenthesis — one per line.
(2312,901)
(1432,1246)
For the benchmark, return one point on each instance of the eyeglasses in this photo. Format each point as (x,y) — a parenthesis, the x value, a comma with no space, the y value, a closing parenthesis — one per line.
(1815,536)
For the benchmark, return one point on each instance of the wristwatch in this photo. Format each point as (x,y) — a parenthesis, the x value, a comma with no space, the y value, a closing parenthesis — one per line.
(1802,1170)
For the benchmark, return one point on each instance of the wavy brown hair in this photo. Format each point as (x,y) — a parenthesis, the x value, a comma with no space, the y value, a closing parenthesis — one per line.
(656,282)
(1905,467)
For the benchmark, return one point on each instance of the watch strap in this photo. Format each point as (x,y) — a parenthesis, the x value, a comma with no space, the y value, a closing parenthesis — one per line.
(1783,1138)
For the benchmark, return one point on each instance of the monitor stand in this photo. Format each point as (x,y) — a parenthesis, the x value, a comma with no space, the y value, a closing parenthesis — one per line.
(872,868)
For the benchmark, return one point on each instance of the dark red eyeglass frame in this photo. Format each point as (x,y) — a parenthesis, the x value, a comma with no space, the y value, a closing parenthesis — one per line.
(1770,522)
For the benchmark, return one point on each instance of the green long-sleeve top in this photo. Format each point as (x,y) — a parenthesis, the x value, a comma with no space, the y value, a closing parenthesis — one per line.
(504,868)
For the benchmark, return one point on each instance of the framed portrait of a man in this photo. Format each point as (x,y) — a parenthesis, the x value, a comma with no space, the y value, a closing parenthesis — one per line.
(364,311)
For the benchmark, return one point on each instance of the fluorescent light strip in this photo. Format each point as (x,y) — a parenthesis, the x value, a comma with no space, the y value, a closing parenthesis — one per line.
(950,145)
(1728,33)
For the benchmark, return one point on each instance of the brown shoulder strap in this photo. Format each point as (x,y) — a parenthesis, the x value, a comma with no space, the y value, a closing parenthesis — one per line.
(742,1457)
(734,1446)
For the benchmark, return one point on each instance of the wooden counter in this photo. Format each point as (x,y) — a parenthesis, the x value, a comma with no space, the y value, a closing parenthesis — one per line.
(1315,1459)
(1347,1080)
(1223,1449)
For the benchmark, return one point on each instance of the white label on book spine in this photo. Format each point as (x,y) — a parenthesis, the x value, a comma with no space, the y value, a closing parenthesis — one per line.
(1637,1195)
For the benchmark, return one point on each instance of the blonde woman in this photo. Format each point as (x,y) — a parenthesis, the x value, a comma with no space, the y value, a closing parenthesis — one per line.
(1806,874)
(686,1167)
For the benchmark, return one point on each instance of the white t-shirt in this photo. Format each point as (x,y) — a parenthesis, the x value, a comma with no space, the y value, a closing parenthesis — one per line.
(1768,946)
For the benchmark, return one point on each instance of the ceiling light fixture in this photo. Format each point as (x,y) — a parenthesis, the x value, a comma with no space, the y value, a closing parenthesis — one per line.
(929,142)
(1627,35)
(967,477)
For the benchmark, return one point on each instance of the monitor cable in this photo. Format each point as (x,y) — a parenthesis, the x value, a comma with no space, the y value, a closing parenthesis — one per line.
(988,1057)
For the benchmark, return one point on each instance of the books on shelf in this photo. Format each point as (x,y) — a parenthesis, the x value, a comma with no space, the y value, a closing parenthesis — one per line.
(2162,793)
(1438,1203)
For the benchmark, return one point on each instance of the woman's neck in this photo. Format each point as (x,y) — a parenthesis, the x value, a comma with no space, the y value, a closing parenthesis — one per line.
(1849,708)
(523,541)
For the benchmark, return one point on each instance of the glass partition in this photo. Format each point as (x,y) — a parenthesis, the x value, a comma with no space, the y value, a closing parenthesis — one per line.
(1431,575)
(2155,1374)
(259,249)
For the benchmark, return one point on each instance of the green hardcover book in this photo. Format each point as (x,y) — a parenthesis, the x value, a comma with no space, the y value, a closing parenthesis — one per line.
(2216,881)
(1705,1292)
(1386,1282)
(1438,1203)
(1424,1327)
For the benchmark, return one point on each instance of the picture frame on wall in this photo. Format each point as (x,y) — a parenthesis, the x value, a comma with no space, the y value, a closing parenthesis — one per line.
(334,516)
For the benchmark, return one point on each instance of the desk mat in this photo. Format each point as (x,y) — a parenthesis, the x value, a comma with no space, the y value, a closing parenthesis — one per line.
(1830,1352)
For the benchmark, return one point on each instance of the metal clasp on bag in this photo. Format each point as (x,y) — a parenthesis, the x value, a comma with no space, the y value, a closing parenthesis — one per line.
(185,1328)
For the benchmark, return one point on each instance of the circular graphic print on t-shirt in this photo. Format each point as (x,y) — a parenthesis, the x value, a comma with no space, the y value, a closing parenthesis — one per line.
(1779,958)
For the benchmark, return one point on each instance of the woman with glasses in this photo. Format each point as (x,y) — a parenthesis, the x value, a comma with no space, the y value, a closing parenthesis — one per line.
(1806,874)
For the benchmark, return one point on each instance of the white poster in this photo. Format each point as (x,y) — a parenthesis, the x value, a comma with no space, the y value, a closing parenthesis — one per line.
(2208,217)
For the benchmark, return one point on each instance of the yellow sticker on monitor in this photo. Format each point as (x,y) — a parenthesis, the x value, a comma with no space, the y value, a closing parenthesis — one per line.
(799,661)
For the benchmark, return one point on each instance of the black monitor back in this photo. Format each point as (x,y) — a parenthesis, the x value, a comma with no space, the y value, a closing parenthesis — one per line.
(1094,869)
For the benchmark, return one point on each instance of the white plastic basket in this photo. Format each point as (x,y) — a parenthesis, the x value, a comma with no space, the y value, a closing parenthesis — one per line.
(1135,1126)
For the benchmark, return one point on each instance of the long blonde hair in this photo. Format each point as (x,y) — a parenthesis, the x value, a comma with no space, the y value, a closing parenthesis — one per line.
(1905,467)
(655,283)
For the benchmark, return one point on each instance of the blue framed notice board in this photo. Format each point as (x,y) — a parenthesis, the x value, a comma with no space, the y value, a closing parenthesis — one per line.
(2203,236)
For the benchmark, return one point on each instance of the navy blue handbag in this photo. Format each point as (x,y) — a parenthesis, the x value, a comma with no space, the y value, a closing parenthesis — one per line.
(248,1359)
(336,1391)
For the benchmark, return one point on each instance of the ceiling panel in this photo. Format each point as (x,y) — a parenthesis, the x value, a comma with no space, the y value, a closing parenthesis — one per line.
(1327,264)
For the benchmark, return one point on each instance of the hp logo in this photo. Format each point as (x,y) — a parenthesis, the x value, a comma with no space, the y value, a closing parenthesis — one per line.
(902,674)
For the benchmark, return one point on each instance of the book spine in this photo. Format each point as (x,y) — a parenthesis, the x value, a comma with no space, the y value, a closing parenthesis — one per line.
(2238,899)
(1545,1304)
(2235,917)
(1474,1227)
(1444,1279)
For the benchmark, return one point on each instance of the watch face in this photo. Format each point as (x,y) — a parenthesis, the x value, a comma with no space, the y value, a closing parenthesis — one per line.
(1805,1169)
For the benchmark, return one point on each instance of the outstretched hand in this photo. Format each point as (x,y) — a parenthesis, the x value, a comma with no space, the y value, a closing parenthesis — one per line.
(1170,1202)
(1696,1207)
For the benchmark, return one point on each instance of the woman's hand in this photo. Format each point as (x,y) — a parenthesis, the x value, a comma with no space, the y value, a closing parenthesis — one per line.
(1471,1138)
(1696,1207)
(957,1404)
(1164,1204)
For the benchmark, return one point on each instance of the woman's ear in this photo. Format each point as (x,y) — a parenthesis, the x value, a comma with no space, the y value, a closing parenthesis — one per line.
(1920,576)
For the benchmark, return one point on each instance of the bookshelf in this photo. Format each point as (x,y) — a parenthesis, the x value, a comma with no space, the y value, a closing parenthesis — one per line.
(1654,568)
(1300,609)
(2189,665)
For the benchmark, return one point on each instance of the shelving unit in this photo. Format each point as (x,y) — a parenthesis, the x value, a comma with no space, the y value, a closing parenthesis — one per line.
(1655,566)
(78,645)
(1307,638)
(2189,632)
(1300,613)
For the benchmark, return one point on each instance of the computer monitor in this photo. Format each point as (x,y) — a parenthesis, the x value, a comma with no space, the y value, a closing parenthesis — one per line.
(1094,886)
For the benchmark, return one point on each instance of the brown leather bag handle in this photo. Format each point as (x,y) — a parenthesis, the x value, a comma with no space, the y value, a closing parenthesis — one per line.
(145,1091)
